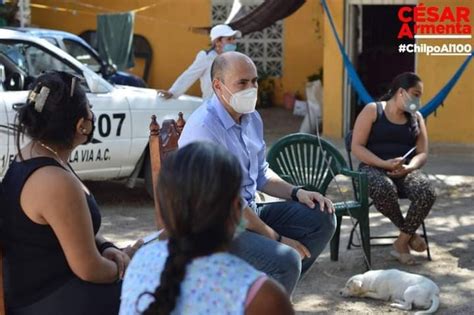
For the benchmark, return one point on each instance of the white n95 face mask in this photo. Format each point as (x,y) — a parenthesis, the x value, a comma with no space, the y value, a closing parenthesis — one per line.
(243,102)
(411,104)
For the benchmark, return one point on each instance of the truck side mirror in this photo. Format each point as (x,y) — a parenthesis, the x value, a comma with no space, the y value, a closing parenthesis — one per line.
(108,70)
(15,82)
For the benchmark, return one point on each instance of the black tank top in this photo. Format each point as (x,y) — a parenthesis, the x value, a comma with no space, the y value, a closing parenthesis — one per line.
(388,140)
(34,262)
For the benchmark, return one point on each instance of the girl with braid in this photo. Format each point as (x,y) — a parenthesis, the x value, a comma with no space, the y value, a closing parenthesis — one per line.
(192,272)
(384,133)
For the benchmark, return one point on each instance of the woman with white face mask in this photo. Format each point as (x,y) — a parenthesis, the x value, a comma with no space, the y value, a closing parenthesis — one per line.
(391,141)
(223,39)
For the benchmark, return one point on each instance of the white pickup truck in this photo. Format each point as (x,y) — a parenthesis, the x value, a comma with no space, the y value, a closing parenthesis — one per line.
(120,145)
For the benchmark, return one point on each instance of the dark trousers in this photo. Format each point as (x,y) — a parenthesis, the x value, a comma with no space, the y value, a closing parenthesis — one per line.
(76,297)
(311,227)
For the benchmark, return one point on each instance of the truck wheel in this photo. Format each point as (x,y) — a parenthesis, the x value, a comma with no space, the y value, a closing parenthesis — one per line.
(148,178)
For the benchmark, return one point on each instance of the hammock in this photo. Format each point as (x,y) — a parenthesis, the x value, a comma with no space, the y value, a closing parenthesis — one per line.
(361,91)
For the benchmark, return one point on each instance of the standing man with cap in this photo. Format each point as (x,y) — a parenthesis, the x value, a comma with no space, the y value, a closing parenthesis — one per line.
(223,39)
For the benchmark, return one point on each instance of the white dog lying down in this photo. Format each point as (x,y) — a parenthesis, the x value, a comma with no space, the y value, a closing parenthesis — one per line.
(407,290)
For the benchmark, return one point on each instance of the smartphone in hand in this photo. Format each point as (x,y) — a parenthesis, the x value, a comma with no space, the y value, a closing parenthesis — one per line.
(408,153)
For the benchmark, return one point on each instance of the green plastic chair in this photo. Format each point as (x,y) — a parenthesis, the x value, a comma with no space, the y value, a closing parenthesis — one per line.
(300,160)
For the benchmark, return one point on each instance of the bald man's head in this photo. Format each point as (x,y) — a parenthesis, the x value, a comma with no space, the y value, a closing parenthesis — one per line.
(227,62)
(231,73)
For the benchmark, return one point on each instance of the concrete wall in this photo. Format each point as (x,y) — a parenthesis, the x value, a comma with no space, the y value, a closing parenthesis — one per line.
(333,73)
(455,121)
(303,48)
(167,24)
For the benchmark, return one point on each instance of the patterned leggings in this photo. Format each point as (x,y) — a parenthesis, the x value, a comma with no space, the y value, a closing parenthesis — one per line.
(385,192)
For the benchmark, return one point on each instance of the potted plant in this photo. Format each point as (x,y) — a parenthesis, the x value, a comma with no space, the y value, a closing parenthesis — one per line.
(266,90)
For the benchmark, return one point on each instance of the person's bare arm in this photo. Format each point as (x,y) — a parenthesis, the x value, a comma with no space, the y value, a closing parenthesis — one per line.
(275,186)
(270,299)
(360,136)
(421,146)
(189,76)
(69,217)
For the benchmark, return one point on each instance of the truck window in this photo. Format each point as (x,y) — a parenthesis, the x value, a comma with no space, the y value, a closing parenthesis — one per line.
(83,55)
(33,60)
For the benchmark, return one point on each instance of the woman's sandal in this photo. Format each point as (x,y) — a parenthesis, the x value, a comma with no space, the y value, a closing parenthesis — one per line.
(417,243)
(403,258)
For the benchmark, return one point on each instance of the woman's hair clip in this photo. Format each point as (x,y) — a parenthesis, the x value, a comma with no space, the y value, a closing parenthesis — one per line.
(31,96)
(39,99)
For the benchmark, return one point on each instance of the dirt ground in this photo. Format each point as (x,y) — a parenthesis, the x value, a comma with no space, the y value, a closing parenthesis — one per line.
(128,215)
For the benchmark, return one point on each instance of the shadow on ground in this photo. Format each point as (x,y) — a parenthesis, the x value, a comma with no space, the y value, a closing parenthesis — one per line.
(128,214)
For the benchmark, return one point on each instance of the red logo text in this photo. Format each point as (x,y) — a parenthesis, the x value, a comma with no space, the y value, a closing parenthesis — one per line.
(434,20)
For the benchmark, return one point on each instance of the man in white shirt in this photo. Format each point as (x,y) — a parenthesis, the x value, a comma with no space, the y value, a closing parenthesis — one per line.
(223,39)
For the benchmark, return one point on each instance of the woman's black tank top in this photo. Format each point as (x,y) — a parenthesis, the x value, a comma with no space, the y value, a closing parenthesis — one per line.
(34,262)
(388,140)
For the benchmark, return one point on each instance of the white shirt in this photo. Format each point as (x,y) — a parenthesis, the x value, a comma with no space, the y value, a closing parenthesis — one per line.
(199,69)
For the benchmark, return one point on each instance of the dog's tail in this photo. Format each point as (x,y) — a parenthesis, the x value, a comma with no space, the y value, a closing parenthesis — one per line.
(433,308)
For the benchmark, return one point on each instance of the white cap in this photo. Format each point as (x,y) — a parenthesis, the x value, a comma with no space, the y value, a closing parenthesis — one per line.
(223,30)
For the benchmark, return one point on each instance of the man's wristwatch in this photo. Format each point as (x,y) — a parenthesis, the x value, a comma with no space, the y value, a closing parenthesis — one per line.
(294,191)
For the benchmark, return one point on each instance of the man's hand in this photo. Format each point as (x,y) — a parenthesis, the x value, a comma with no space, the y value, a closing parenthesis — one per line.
(300,248)
(309,197)
(165,94)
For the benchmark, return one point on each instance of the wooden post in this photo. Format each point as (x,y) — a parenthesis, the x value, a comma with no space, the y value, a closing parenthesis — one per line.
(154,146)
(163,140)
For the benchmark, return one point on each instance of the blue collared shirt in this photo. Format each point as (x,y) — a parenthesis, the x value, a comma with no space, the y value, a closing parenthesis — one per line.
(212,122)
